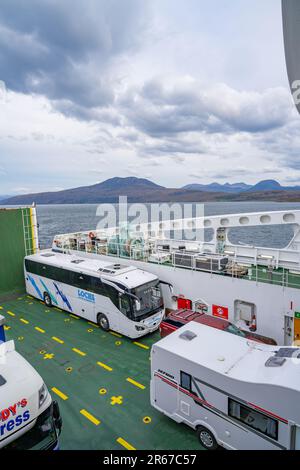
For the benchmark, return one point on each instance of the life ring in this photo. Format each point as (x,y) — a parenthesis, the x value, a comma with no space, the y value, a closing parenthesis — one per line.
(92,235)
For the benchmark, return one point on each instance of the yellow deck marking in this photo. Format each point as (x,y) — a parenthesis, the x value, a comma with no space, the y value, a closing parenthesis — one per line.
(79,352)
(24,321)
(29,297)
(104,366)
(39,329)
(93,324)
(1,308)
(59,393)
(136,384)
(49,356)
(116,400)
(60,341)
(74,316)
(7,327)
(58,309)
(90,417)
(125,444)
(11,313)
(141,345)
(116,334)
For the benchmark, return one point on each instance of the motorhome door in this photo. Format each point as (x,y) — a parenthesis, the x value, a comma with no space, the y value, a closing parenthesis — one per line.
(296,437)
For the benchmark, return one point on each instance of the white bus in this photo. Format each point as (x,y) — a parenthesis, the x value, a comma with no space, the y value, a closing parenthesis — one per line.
(117,297)
(234,392)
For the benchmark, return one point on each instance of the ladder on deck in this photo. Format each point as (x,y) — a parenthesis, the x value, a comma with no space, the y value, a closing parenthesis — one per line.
(30,241)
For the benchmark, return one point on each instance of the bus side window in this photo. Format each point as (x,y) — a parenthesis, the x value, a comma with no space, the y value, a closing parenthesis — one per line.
(97,286)
(82,281)
(125,305)
(113,294)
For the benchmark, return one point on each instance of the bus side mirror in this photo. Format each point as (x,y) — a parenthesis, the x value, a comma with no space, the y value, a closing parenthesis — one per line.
(137,305)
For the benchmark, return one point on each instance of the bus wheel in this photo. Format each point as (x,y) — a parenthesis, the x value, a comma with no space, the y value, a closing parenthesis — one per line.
(47,300)
(103,322)
(206,438)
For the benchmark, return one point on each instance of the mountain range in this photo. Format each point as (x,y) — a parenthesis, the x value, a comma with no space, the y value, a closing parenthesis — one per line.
(4,197)
(144,190)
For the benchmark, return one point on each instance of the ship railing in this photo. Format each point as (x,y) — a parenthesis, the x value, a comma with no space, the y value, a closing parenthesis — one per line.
(215,264)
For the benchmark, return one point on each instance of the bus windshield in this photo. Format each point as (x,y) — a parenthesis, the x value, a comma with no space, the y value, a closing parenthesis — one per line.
(150,298)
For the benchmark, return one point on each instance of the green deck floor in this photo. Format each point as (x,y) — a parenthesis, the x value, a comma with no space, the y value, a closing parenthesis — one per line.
(66,351)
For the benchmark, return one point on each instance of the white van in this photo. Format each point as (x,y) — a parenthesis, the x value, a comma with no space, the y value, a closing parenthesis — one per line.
(117,297)
(29,419)
(235,393)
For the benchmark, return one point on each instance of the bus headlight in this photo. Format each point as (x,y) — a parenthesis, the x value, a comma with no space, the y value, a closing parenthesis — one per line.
(139,328)
(43,394)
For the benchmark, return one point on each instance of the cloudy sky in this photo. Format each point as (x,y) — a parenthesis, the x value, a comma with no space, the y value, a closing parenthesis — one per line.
(178,91)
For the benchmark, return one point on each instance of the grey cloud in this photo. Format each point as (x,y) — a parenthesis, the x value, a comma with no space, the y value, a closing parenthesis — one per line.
(158,110)
(64,49)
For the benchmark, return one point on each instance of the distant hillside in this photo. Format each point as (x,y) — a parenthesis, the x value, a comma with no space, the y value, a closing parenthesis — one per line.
(217,187)
(236,188)
(267,185)
(143,190)
(136,189)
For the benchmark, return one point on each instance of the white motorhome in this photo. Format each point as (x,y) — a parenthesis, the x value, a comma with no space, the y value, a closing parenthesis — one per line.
(29,419)
(116,296)
(235,393)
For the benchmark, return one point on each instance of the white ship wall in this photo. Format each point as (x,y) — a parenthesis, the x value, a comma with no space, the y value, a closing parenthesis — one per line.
(272,301)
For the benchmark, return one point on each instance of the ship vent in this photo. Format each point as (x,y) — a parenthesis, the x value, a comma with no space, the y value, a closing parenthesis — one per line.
(275,361)
(187,335)
(2,380)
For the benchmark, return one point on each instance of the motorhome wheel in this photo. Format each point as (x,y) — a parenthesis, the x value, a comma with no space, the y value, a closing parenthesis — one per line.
(207,439)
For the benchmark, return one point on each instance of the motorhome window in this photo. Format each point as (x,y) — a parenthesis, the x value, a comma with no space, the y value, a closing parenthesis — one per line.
(253,419)
(186,381)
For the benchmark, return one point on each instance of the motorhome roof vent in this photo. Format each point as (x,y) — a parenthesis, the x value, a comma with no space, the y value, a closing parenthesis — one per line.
(48,255)
(77,261)
(2,380)
(275,361)
(187,335)
(288,352)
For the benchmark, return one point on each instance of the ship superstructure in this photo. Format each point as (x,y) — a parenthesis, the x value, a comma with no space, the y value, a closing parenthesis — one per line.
(257,288)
